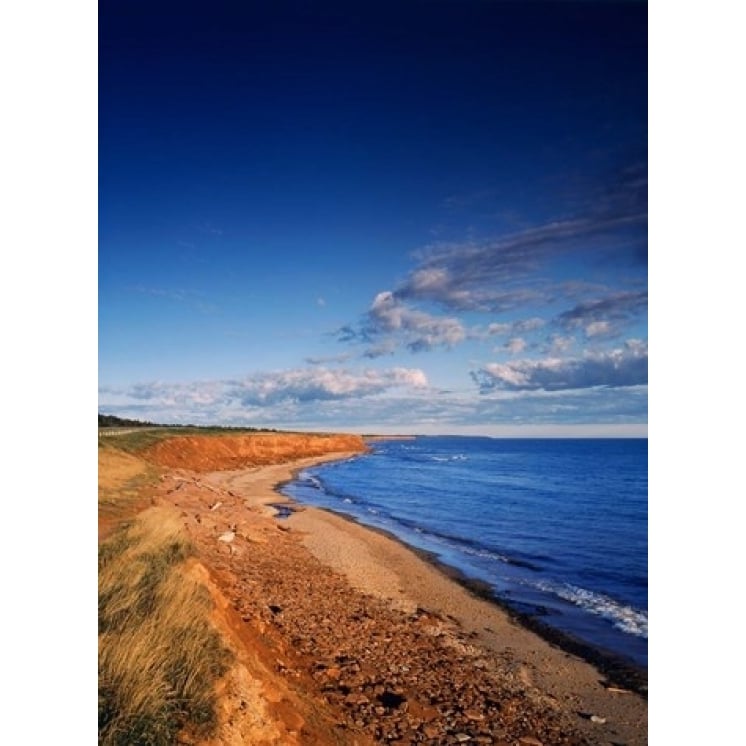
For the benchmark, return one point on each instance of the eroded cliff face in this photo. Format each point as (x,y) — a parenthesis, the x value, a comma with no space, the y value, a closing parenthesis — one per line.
(203,453)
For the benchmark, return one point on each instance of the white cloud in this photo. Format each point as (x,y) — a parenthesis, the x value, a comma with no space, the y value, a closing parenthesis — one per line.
(509,272)
(497,328)
(515,345)
(321,384)
(627,366)
(391,321)
(558,345)
(268,389)
(598,329)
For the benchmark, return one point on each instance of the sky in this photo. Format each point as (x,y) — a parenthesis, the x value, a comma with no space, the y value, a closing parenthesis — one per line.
(422,216)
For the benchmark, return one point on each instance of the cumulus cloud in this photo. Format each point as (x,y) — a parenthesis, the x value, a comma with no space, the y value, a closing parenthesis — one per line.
(598,329)
(321,384)
(499,328)
(515,345)
(558,345)
(515,327)
(418,411)
(564,272)
(528,325)
(389,321)
(267,389)
(620,367)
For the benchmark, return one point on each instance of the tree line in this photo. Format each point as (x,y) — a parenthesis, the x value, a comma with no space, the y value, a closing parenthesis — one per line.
(110,420)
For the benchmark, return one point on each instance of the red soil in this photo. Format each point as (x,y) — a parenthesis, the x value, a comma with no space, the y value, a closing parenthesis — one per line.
(208,453)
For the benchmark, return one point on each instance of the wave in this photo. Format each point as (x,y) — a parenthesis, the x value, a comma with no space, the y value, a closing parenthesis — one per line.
(622,616)
(462,544)
(309,480)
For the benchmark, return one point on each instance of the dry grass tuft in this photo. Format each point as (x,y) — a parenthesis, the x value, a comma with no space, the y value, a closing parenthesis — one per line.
(159,657)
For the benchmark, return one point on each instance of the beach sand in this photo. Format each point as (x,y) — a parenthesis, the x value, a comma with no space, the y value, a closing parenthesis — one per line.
(347,636)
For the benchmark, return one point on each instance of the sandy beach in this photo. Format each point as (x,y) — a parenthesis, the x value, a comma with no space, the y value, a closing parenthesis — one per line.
(348,636)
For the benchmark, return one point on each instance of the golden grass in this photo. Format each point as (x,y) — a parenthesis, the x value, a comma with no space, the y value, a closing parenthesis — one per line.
(159,657)
(123,480)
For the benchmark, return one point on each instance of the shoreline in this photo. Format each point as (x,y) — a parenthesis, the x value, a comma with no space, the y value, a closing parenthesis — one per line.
(620,671)
(376,563)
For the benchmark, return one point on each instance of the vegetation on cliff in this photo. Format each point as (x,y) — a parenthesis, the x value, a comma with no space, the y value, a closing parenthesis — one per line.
(159,657)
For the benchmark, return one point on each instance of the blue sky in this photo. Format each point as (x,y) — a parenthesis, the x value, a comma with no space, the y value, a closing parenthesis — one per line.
(393,217)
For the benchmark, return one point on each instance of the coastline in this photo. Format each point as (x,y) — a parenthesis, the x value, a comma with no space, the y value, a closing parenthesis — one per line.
(413,583)
(619,672)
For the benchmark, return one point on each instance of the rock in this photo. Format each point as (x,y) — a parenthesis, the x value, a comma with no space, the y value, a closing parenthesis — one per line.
(462,737)
(597,719)
(473,715)
(227,537)
(216,505)
(529,741)
(430,730)
(356,699)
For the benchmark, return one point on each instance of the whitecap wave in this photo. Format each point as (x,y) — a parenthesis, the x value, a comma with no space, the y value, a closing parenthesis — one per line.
(485,554)
(623,617)
(310,480)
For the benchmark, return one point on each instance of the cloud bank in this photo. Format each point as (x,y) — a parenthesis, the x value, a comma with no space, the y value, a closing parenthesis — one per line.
(270,388)
(627,366)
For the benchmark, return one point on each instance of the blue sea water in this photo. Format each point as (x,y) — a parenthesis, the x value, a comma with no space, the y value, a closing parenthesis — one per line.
(557,528)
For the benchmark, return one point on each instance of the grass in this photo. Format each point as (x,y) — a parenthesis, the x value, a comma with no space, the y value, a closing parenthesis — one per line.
(159,656)
(123,482)
(139,440)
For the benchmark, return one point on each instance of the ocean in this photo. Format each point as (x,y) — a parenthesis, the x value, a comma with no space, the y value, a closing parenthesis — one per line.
(556,528)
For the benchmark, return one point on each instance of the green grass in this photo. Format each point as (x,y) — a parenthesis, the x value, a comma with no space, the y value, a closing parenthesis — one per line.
(159,656)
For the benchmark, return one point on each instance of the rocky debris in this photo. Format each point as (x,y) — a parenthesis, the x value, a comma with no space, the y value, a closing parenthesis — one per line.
(597,719)
(400,677)
(407,677)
